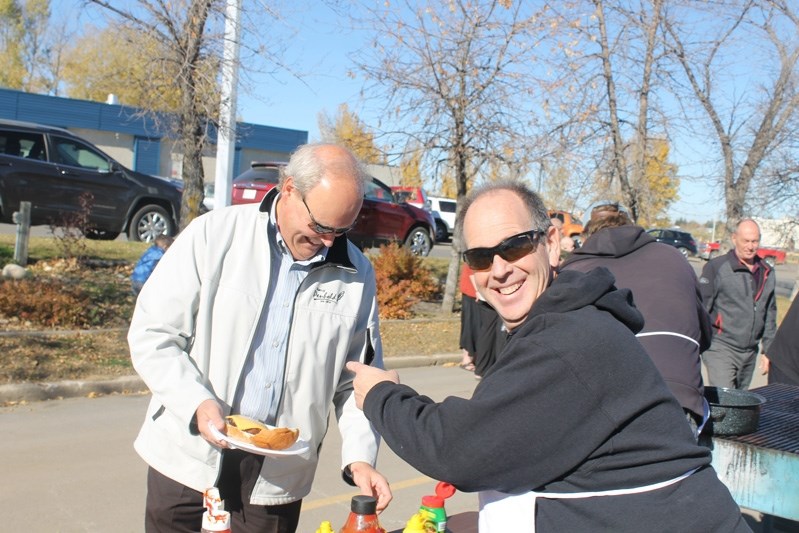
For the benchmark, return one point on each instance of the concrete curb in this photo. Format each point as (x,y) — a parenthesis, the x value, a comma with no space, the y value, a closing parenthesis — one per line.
(36,392)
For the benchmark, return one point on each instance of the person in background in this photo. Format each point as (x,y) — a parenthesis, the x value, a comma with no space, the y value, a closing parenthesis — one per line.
(470,325)
(781,361)
(566,246)
(666,291)
(255,310)
(566,242)
(573,428)
(146,263)
(481,328)
(738,289)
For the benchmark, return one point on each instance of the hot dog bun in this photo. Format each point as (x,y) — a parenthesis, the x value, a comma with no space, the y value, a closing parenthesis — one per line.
(251,431)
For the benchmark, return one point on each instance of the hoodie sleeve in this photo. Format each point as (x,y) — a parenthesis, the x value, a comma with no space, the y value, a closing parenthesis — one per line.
(535,416)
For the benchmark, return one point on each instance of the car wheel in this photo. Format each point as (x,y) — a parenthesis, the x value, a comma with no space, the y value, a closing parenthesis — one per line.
(441,231)
(684,251)
(419,242)
(148,223)
(769,260)
(101,235)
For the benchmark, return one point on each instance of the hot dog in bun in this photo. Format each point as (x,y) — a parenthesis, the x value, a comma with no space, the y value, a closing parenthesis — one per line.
(253,432)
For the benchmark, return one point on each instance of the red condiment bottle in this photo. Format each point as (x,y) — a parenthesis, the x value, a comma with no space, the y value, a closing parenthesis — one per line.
(363,516)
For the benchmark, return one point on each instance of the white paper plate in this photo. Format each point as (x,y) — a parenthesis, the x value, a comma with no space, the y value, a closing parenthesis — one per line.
(298,448)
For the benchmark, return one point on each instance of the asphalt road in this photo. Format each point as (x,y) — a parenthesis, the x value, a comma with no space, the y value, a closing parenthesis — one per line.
(69,465)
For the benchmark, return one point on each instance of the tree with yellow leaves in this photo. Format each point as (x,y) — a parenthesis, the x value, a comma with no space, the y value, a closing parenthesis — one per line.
(658,186)
(30,48)
(100,63)
(411,169)
(347,129)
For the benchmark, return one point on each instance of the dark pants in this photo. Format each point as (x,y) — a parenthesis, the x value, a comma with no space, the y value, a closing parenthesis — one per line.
(175,508)
(728,366)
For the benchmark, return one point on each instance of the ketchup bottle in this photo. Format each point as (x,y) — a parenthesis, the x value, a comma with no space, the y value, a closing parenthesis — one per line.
(363,516)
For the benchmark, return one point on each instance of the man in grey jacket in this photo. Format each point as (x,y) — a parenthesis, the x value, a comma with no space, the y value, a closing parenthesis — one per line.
(255,310)
(738,291)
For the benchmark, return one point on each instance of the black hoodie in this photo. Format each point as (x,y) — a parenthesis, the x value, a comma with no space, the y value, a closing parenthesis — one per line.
(572,404)
(666,291)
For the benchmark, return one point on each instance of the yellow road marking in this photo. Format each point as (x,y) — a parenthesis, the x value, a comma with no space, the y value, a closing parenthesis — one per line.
(343,498)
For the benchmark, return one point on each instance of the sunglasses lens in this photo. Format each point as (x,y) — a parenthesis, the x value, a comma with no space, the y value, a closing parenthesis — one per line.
(479,259)
(511,249)
(518,247)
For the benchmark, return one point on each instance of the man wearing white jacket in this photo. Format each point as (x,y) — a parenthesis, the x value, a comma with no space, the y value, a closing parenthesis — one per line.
(255,310)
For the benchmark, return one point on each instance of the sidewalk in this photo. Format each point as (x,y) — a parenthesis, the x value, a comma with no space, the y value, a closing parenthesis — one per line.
(34,392)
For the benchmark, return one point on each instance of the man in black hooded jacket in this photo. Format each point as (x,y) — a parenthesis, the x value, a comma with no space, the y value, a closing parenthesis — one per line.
(572,429)
(666,291)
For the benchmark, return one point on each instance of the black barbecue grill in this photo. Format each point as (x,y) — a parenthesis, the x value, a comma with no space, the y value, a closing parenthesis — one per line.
(778,428)
(761,469)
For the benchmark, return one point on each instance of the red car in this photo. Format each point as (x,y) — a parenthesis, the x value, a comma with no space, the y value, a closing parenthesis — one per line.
(771,256)
(412,195)
(382,218)
(252,185)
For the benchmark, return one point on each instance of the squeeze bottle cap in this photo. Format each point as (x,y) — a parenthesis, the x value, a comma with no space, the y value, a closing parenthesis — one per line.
(432,501)
(444,490)
(363,505)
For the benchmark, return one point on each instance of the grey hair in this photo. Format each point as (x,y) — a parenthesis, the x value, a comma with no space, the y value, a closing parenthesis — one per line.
(539,217)
(307,168)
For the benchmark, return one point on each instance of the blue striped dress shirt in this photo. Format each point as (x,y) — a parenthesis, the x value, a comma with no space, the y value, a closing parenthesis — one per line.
(261,383)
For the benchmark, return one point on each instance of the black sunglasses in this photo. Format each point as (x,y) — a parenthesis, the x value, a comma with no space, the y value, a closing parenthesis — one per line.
(321,229)
(511,249)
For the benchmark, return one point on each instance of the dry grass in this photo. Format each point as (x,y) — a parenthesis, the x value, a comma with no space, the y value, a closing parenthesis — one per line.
(104,354)
(32,352)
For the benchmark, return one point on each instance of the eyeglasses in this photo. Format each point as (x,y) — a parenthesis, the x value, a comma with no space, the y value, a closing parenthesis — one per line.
(321,229)
(511,249)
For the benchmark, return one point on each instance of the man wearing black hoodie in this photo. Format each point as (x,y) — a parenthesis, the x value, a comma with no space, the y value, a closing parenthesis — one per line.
(572,429)
(666,291)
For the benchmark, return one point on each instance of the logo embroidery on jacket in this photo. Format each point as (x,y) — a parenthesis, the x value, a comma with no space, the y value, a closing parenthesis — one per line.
(328,297)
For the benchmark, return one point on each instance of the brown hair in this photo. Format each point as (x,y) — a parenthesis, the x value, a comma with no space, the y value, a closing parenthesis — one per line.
(606,218)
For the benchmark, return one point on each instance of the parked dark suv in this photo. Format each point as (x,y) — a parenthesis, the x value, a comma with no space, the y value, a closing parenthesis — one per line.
(682,240)
(56,171)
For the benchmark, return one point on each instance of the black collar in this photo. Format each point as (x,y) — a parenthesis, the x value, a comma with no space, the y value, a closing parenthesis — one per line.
(337,255)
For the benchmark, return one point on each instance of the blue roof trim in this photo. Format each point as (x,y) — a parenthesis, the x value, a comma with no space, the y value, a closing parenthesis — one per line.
(70,113)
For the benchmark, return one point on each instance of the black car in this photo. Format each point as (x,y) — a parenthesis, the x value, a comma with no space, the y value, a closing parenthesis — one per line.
(62,176)
(682,240)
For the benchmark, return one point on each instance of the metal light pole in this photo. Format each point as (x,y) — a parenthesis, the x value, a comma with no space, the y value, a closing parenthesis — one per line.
(226,137)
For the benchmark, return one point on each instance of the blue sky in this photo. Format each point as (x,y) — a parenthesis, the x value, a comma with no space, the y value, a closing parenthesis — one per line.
(294,104)
(319,48)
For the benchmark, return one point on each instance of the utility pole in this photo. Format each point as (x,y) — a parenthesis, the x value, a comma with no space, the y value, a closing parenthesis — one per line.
(226,136)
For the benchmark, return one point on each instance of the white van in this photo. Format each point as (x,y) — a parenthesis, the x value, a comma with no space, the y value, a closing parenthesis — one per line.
(444,215)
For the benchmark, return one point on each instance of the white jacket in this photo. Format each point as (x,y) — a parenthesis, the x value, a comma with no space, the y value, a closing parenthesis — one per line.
(192,329)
